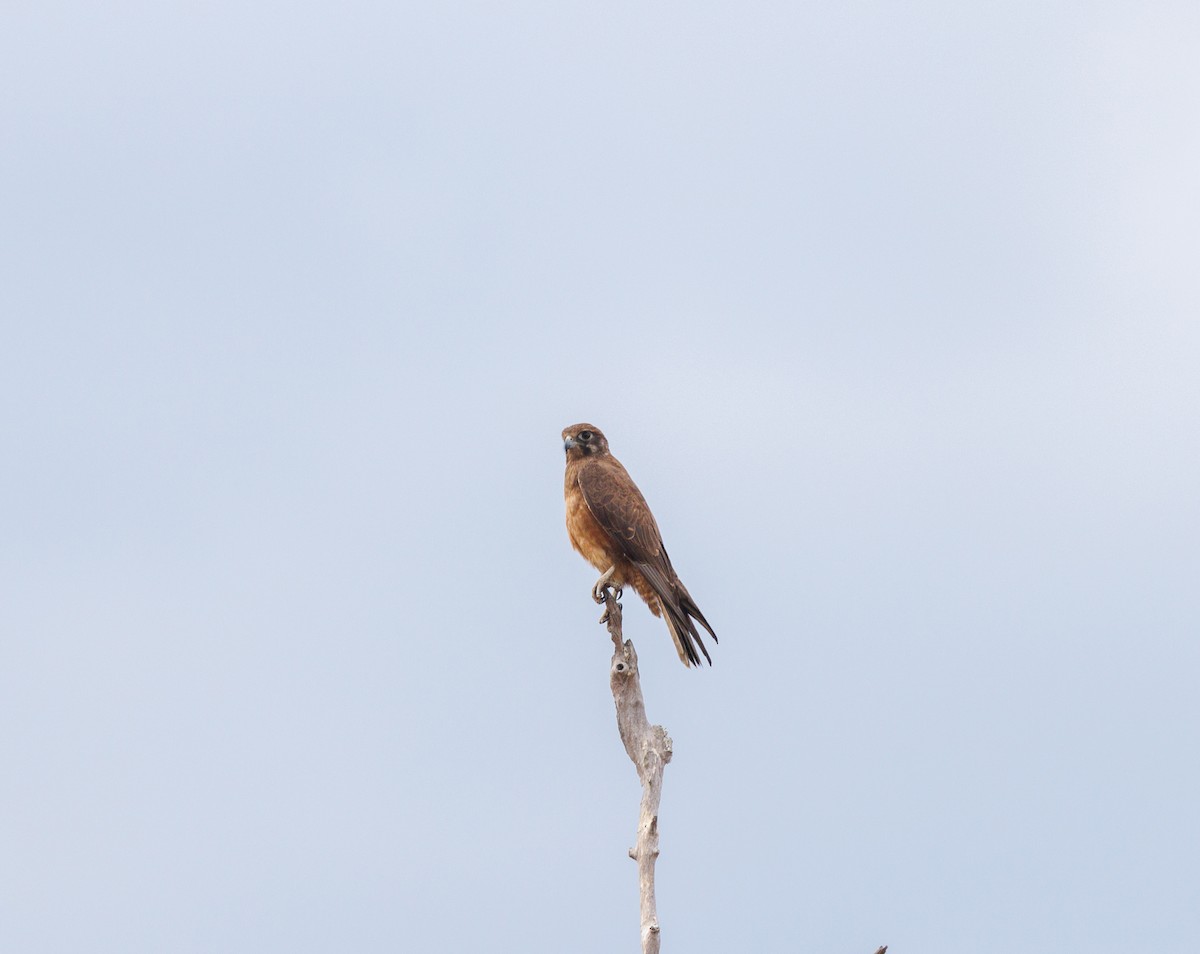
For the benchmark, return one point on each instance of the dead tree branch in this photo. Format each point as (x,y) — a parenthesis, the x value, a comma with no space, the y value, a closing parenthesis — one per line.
(649,748)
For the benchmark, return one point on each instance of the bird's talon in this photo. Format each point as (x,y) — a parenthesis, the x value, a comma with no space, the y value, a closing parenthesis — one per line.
(602,584)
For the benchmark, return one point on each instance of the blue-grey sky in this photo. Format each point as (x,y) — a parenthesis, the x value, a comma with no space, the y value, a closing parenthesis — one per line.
(893,312)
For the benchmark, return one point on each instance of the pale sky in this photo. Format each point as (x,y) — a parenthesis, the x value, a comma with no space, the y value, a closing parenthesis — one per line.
(891,310)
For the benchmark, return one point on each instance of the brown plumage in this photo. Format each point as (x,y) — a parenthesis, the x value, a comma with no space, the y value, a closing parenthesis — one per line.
(610,524)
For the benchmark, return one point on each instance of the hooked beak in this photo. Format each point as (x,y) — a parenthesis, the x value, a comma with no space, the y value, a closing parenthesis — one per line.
(568,443)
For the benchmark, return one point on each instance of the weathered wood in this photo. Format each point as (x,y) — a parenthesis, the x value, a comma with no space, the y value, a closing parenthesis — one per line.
(649,748)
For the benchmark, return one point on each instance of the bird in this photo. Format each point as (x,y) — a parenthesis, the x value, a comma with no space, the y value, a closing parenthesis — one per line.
(611,526)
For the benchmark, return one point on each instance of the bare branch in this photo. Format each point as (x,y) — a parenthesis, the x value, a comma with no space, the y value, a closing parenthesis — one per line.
(649,748)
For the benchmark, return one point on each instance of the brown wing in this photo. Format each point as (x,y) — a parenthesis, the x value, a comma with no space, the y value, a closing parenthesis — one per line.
(619,507)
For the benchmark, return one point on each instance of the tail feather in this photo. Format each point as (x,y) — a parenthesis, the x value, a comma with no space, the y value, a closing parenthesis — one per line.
(678,614)
(689,606)
(679,609)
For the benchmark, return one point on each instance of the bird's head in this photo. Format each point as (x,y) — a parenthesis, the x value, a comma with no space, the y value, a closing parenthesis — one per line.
(583,440)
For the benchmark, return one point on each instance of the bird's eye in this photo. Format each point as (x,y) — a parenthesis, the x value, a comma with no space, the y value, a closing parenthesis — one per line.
(585,435)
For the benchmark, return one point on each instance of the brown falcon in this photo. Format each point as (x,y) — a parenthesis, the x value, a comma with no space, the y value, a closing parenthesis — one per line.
(611,525)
